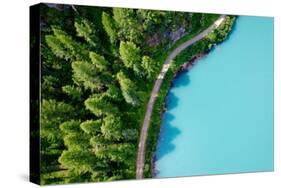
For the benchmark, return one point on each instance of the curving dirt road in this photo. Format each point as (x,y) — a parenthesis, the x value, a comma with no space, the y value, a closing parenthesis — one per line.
(149,109)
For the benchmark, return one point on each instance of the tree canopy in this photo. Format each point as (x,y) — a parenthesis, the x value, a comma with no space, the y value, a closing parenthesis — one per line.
(98,67)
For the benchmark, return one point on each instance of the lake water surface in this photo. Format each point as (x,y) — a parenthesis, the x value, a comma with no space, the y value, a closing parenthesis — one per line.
(219,116)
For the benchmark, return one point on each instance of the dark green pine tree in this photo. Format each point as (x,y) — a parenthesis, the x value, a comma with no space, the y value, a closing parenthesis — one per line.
(53,113)
(79,158)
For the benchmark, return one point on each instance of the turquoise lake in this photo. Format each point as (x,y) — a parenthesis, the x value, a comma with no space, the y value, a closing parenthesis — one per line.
(219,116)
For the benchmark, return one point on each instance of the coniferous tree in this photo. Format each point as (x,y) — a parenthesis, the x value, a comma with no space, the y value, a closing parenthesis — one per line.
(112,127)
(57,47)
(150,66)
(72,91)
(70,127)
(80,161)
(128,89)
(109,26)
(130,55)
(64,46)
(100,106)
(130,134)
(86,74)
(53,113)
(79,158)
(86,29)
(119,152)
(128,26)
(151,19)
(113,92)
(91,127)
(77,141)
(99,61)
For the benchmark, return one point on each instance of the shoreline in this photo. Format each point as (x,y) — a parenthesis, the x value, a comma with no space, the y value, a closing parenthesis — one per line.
(185,67)
(200,50)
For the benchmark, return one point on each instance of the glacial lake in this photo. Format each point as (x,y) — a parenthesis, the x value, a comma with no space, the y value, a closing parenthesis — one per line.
(219,116)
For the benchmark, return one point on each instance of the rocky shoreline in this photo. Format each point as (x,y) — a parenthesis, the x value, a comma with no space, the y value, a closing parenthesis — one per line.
(188,65)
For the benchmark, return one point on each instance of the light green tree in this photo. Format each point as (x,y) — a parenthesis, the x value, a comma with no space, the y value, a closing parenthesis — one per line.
(128,89)
(109,27)
(130,54)
(128,26)
(86,74)
(91,127)
(100,106)
(80,161)
(65,47)
(150,66)
(86,30)
(99,61)
(72,91)
(112,127)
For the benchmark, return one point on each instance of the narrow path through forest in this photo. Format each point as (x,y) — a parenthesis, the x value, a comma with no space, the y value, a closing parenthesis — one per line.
(149,109)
